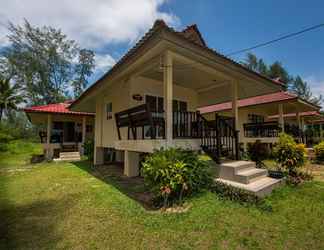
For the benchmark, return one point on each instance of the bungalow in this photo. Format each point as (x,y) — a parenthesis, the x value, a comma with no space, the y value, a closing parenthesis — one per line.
(62,131)
(264,117)
(150,99)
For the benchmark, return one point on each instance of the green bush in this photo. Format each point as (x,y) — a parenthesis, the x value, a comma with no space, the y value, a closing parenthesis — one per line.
(232,193)
(4,140)
(289,154)
(319,152)
(172,174)
(88,148)
(258,152)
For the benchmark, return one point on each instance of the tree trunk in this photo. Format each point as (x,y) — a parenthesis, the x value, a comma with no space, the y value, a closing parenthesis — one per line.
(1,112)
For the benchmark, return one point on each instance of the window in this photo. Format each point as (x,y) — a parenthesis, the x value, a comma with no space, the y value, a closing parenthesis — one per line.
(109,110)
(255,118)
(179,106)
(89,128)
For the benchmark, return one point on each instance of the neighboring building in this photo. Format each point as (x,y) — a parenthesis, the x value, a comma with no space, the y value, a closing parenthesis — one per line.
(264,117)
(61,130)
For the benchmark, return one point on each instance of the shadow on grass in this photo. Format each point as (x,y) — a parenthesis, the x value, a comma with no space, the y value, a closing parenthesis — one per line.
(33,225)
(112,174)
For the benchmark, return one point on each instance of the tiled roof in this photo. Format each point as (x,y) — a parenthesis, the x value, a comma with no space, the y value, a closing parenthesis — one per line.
(262,99)
(55,108)
(157,26)
(307,113)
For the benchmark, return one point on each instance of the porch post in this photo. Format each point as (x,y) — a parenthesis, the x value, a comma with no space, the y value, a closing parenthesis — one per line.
(48,137)
(83,133)
(168,96)
(235,103)
(300,139)
(281,117)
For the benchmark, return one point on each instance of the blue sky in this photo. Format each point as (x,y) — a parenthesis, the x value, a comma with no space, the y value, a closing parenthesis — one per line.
(111,27)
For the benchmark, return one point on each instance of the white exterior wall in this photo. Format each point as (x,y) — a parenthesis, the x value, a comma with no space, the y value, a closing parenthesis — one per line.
(120,94)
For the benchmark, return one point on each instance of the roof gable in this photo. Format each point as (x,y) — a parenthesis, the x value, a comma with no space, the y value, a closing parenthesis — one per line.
(193,34)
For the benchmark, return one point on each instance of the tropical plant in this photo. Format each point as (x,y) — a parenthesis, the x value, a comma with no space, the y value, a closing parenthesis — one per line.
(89,149)
(289,155)
(258,152)
(173,173)
(319,152)
(10,96)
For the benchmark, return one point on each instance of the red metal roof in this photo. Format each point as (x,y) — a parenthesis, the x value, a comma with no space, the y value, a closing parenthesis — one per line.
(56,108)
(307,113)
(262,99)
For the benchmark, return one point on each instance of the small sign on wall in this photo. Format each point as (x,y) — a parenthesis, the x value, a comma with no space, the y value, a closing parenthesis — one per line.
(137,97)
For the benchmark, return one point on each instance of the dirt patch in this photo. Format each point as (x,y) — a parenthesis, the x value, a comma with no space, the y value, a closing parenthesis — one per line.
(131,186)
(317,170)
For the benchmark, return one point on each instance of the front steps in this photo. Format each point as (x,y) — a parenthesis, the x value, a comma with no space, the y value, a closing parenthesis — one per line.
(245,175)
(69,156)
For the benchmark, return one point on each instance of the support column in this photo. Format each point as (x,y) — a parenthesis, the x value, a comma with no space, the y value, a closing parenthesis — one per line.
(281,117)
(168,97)
(98,157)
(48,152)
(235,104)
(300,139)
(84,122)
(131,164)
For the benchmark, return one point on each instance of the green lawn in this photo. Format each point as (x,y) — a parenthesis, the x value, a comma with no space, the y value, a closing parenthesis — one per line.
(61,205)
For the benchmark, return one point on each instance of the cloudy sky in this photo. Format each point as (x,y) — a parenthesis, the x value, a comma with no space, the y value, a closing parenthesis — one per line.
(111,27)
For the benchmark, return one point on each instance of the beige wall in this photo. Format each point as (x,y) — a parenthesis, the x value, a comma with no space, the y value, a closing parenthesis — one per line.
(120,94)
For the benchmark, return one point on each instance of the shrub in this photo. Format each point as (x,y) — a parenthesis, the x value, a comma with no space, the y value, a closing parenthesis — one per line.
(319,152)
(172,174)
(232,193)
(258,152)
(289,154)
(88,148)
(4,140)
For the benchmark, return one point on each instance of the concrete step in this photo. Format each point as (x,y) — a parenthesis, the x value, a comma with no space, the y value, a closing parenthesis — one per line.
(260,187)
(76,153)
(249,175)
(229,170)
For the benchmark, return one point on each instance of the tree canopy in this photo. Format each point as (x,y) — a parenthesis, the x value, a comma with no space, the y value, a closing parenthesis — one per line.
(276,70)
(46,63)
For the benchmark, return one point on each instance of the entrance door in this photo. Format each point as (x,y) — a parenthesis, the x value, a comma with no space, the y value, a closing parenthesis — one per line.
(69,132)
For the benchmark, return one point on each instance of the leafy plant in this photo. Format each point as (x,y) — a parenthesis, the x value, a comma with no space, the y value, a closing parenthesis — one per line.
(319,152)
(173,173)
(290,155)
(88,148)
(258,152)
(232,193)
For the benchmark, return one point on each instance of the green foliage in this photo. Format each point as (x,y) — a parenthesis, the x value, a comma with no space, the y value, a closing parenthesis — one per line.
(319,152)
(258,152)
(239,195)
(276,70)
(89,149)
(4,140)
(45,63)
(10,96)
(289,154)
(173,173)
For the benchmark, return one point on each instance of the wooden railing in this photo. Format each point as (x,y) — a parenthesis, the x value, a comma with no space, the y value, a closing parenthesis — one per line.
(258,130)
(219,137)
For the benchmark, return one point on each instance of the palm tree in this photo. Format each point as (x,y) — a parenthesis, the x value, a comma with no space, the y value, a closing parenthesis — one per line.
(10,96)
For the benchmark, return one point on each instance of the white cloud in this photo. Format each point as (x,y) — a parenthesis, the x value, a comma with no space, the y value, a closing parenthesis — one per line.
(104,62)
(92,23)
(316,83)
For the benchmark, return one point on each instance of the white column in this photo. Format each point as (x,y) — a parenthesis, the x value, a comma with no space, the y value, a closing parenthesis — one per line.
(235,103)
(84,123)
(168,96)
(281,117)
(131,163)
(48,137)
(98,158)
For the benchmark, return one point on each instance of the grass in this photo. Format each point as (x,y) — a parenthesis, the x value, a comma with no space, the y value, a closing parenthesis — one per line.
(61,205)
